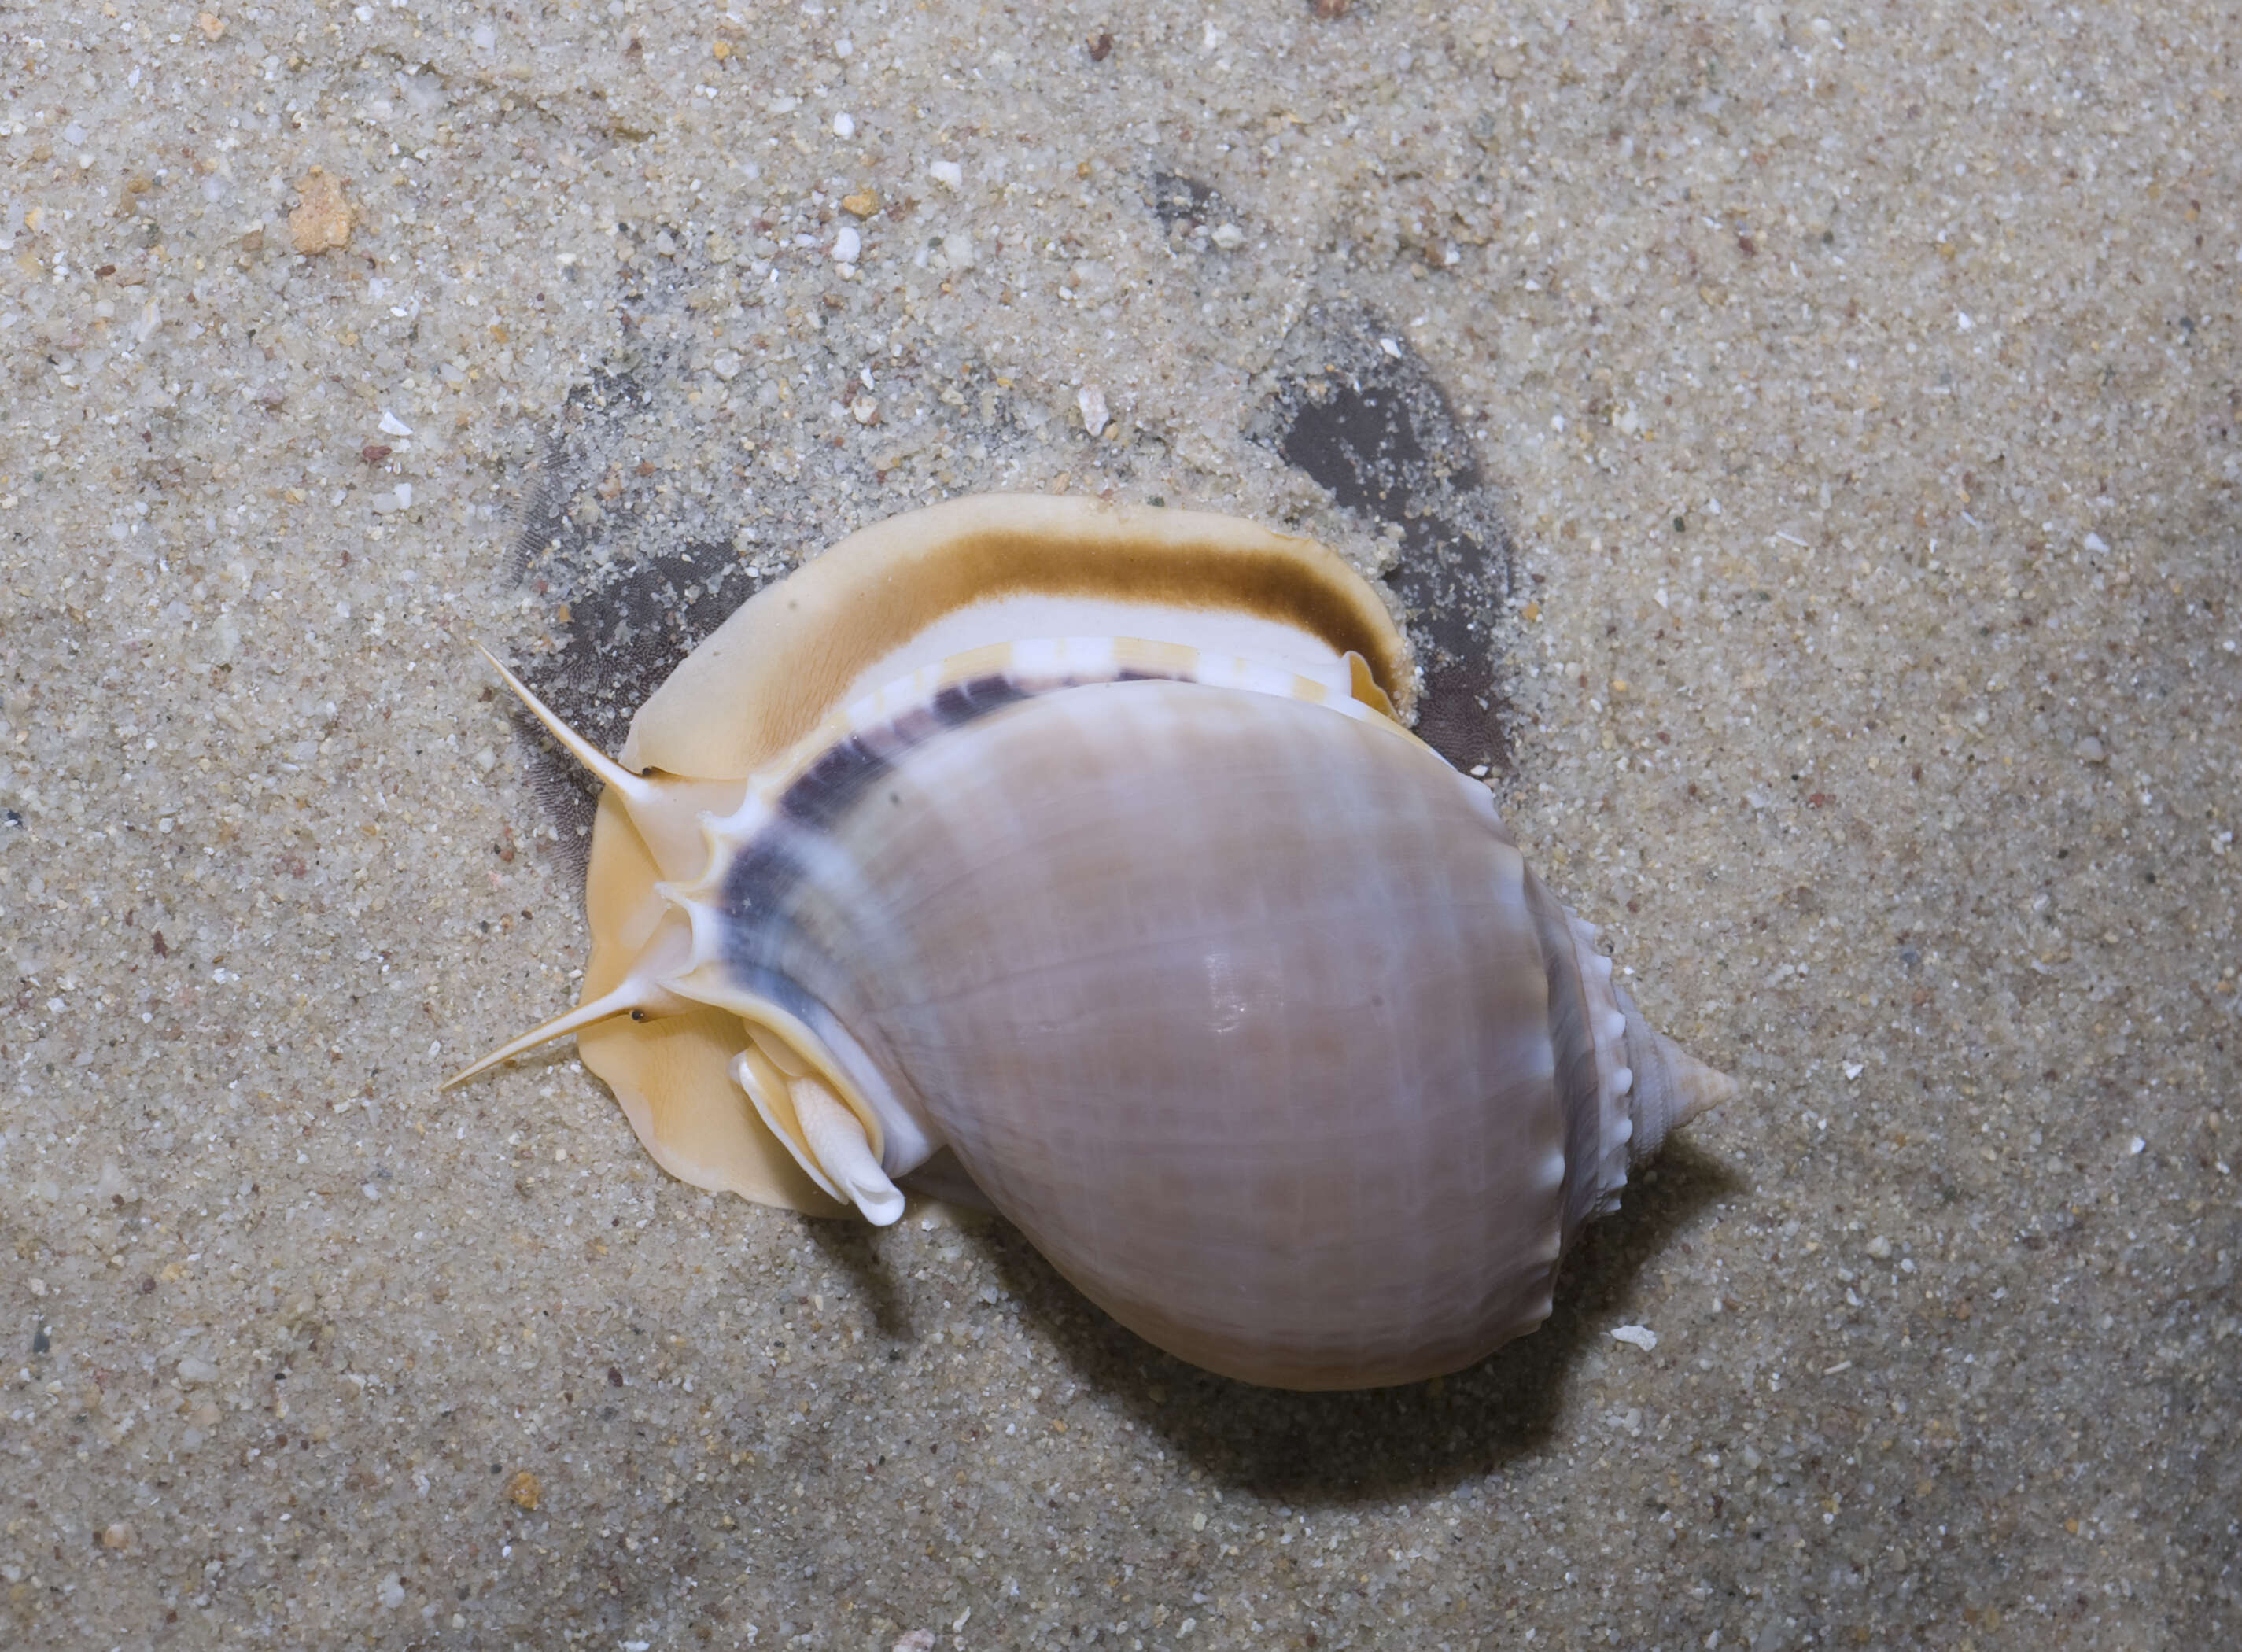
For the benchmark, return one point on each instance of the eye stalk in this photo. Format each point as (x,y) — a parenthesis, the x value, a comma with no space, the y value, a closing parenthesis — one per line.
(669,815)
(646,994)
(666,810)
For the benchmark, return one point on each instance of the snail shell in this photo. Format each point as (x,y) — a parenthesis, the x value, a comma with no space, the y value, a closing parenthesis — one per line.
(1086,844)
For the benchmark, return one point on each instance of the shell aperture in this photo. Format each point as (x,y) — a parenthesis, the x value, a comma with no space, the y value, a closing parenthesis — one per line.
(1230,994)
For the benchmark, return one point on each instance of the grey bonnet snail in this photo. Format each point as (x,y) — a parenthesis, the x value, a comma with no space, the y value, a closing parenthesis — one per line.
(1086,843)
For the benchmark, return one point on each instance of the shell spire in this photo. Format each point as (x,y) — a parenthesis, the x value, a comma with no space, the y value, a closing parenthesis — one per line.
(1671,1086)
(1629,1085)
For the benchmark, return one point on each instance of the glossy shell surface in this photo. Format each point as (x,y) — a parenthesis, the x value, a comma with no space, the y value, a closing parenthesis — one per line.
(1243,1022)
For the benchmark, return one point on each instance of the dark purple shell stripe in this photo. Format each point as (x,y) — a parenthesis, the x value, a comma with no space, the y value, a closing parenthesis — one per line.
(827,772)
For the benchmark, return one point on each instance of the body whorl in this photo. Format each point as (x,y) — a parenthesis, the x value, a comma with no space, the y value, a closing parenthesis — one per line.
(1236,1007)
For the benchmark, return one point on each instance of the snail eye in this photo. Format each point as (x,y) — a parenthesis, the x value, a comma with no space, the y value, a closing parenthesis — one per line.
(638,1015)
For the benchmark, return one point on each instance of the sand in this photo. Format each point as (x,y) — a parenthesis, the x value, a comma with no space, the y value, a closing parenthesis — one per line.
(1815,441)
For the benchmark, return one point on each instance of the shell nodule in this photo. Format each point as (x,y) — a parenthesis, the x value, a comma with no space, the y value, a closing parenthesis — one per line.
(1087,845)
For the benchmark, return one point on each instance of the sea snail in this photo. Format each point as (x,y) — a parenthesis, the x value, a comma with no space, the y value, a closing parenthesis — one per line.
(1086,843)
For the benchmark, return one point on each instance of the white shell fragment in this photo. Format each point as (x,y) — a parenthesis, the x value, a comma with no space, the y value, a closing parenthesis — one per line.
(1080,852)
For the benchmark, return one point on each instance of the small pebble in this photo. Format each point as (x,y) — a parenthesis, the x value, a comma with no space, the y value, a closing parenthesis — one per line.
(323,217)
(1639,1336)
(844,124)
(847,245)
(949,174)
(112,1186)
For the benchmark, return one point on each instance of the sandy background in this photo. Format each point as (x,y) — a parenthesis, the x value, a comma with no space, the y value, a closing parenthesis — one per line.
(1862,398)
